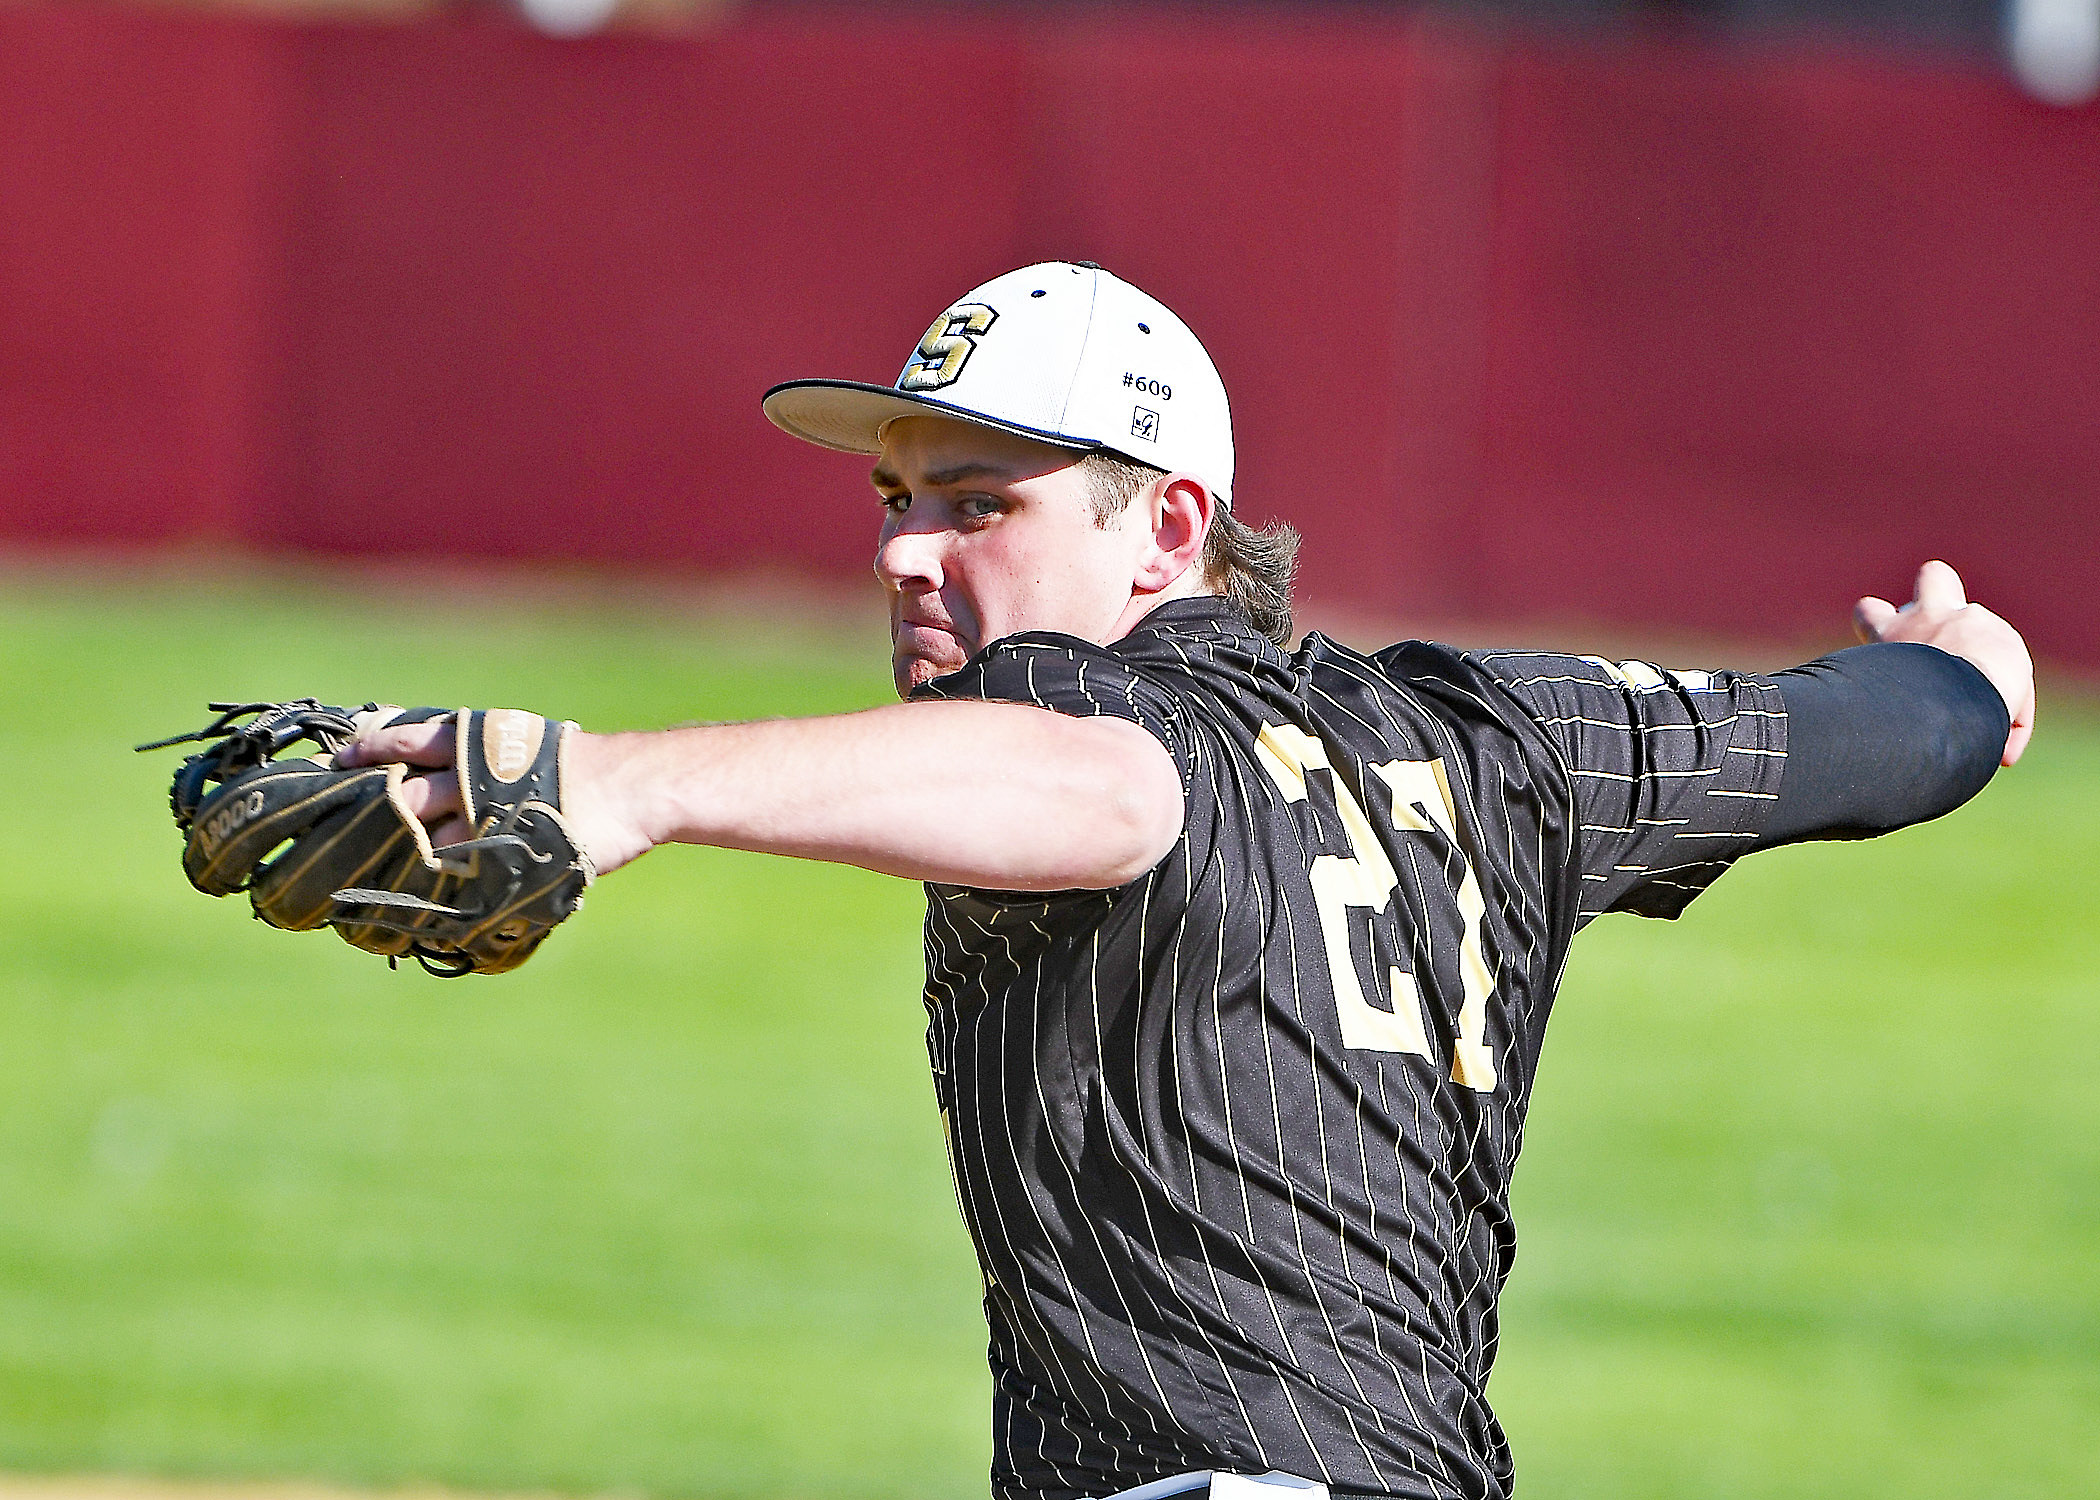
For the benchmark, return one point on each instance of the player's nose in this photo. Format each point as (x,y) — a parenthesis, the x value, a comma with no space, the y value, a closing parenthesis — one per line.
(909,557)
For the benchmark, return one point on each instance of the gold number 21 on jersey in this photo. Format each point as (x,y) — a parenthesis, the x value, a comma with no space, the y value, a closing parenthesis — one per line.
(1422,803)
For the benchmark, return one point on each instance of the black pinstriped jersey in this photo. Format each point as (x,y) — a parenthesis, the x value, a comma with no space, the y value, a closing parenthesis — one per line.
(1234,1141)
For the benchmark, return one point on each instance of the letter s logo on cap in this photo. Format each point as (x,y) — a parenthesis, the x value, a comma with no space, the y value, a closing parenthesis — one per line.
(947,345)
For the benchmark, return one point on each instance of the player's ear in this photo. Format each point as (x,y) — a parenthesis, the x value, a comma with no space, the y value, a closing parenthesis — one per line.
(1180,509)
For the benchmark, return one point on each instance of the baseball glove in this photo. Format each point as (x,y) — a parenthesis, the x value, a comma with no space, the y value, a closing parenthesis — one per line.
(316,846)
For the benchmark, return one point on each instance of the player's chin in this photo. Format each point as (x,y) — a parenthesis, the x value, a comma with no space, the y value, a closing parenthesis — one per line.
(915,666)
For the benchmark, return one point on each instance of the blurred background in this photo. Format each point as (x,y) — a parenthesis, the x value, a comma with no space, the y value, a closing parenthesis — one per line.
(412,349)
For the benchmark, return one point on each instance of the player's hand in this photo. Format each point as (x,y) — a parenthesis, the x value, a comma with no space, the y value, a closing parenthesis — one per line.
(589,781)
(1941,615)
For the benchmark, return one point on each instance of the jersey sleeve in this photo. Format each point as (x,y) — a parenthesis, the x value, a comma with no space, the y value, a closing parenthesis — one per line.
(1673,774)
(1069,676)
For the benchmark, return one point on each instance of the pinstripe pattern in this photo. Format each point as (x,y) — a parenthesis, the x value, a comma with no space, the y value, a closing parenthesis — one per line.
(1213,1236)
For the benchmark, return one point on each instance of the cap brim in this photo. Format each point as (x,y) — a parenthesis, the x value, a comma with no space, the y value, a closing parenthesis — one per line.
(849,416)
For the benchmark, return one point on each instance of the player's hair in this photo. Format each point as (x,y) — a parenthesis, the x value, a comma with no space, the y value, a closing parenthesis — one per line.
(1251,569)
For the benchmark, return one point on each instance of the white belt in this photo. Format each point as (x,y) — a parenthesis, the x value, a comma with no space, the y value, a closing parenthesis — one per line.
(1273,1485)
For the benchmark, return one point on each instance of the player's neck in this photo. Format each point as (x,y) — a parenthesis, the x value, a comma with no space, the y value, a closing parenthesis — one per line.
(1190,585)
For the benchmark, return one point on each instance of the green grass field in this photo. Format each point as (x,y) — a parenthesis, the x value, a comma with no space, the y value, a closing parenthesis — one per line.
(1810,1208)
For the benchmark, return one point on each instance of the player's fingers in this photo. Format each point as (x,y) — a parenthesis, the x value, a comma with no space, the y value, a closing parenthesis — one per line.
(1871,616)
(454,830)
(433,798)
(1939,589)
(425,744)
(2022,731)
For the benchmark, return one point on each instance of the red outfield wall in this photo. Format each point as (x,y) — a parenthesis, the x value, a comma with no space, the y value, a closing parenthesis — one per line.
(1515,325)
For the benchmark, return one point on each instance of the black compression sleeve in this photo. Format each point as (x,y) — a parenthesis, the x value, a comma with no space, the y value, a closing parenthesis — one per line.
(1882,736)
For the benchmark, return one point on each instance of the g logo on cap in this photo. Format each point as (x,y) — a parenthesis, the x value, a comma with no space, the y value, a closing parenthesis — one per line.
(947,345)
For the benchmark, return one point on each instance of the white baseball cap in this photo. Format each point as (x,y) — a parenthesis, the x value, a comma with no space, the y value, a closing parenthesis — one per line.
(1062,352)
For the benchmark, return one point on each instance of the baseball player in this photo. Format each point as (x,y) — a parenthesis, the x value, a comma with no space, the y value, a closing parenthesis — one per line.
(1239,957)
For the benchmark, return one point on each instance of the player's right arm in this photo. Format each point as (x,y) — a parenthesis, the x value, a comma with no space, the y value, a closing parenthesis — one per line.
(1941,615)
(998,796)
(1674,775)
(1909,726)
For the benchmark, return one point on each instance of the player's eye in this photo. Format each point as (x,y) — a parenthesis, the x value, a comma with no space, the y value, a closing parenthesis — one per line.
(978,507)
(897,504)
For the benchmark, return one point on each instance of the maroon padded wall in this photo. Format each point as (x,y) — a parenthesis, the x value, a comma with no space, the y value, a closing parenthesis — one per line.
(1762,331)
(1515,325)
(542,286)
(138,158)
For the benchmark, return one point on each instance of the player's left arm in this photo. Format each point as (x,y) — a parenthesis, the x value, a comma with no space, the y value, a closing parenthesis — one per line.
(1001,796)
